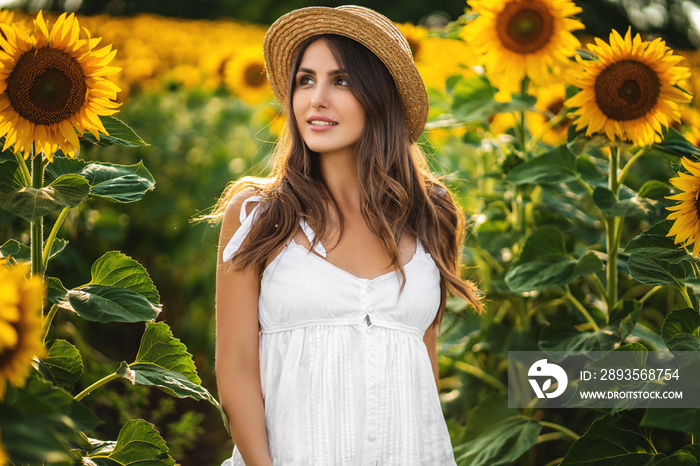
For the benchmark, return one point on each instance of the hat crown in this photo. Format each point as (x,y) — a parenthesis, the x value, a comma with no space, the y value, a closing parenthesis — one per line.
(382,22)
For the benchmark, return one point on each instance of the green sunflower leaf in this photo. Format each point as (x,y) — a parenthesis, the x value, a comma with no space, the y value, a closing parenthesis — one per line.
(21,252)
(628,204)
(119,133)
(563,336)
(473,101)
(164,362)
(10,178)
(138,442)
(117,269)
(31,203)
(656,260)
(611,440)
(63,364)
(40,397)
(104,304)
(679,322)
(676,144)
(688,455)
(116,183)
(502,444)
(677,419)
(555,166)
(159,348)
(35,439)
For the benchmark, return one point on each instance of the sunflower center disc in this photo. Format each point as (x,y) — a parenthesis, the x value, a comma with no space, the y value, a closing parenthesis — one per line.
(627,90)
(554,108)
(254,75)
(47,86)
(525,26)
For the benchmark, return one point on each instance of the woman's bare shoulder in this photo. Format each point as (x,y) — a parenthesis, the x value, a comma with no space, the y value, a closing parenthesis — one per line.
(233,209)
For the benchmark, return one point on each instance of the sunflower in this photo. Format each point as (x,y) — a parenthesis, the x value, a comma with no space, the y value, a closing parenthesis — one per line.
(629,92)
(519,38)
(550,103)
(52,84)
(20,324)
(245,76)
(414,36)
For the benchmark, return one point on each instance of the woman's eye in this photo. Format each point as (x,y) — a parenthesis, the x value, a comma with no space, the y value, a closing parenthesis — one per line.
(341,81)
(305,80)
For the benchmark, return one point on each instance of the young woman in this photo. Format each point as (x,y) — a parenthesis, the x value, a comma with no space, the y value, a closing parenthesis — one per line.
(333,272)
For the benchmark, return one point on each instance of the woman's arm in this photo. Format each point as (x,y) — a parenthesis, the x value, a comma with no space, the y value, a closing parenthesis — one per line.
(430,340)
(237,340)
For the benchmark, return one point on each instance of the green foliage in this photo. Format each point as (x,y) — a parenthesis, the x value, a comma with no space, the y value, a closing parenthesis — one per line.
(612,440)
(138,442)
(571,247)
(63,364)
(125,183)
(45,421)
(502,444)
(32,203)
(118,132)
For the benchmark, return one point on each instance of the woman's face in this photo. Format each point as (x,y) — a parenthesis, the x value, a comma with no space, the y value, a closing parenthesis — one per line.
(329,117)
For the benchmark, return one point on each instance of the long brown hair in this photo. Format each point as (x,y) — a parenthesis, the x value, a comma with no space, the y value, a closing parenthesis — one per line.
(398,194)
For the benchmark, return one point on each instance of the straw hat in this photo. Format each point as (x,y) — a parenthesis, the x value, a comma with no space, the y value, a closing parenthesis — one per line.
(371,29)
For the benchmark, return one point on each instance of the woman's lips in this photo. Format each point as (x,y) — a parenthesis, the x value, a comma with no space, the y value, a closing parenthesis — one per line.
(321,123)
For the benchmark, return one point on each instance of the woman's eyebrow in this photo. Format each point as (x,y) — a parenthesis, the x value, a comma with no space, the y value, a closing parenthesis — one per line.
(312,72)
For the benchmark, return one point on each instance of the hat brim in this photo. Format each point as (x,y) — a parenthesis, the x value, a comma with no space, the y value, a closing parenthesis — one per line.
(369,28)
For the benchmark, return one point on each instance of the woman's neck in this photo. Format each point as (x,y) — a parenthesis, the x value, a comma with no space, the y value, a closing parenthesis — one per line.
(339,171)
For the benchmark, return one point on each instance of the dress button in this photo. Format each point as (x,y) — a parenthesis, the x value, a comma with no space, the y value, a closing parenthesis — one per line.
(370,331)
(372,361)
(371,437)
(370,309)
(370,288)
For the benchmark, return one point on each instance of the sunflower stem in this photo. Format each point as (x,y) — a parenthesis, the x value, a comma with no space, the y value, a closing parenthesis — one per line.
(95,386)
(47,321)
(649,294)
(551,123)
(37,225)
(599,285)
(686,297)
(52,236)
(696,272)
(630,162)
(481,374)
(523,129)
(612,224)
(614,166)
(560,428)
(26,176)
(581,309)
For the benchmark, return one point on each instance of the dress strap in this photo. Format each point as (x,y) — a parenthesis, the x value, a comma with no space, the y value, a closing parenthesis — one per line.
(419,246)
(246,223)
(311,235)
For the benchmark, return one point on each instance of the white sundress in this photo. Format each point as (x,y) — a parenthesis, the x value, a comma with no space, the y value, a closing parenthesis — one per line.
(345,375)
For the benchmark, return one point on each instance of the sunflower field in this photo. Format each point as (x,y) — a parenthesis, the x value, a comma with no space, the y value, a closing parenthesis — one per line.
(574,157)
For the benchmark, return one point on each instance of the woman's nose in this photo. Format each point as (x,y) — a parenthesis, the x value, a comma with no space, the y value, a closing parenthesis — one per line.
(319,97)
